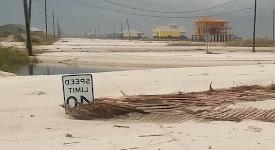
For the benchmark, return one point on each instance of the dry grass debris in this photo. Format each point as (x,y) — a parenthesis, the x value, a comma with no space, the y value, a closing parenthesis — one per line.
(212,105)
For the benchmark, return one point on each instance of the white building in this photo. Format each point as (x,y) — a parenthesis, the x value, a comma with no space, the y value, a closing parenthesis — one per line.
(133,33)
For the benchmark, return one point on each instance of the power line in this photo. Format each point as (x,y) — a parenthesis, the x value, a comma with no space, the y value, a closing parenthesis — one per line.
(158,16)
(171,12)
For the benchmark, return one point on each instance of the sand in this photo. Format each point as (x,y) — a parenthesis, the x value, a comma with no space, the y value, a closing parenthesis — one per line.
(32,118)
(6,74)
(125,55)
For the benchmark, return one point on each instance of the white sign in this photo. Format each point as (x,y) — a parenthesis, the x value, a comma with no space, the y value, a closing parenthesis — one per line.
(78,88)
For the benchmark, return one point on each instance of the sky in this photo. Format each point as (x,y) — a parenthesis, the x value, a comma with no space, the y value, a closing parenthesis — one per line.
(77,16)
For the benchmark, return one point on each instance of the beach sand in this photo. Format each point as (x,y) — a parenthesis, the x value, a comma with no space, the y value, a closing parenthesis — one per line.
(32,118)
(125,55)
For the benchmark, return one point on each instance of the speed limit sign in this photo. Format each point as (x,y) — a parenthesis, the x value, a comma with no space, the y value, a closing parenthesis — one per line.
(77,89)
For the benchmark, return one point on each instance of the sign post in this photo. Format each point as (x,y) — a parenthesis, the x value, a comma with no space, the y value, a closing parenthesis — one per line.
(77,89)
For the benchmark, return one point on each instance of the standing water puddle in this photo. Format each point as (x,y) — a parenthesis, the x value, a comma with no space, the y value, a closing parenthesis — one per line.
(53,69)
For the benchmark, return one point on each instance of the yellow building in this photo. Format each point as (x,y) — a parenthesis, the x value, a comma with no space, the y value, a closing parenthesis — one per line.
(168,32)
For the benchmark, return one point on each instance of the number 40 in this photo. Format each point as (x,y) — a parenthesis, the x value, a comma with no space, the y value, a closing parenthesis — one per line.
(73,100)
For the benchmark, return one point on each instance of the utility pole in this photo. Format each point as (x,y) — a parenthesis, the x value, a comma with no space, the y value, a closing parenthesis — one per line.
(254,27)
(53,25)
(90,34)
(46,19)
(273,25)
(58,28)
(27,10)
(30,11)
(98,33)
(129,30)
(61,30)
(114,31)
(121,34)
(95,33)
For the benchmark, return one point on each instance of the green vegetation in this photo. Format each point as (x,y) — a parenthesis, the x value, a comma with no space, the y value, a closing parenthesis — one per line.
(260,42)
(11,58)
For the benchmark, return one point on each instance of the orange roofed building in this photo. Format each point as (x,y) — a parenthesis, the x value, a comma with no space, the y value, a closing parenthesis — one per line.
(211,29)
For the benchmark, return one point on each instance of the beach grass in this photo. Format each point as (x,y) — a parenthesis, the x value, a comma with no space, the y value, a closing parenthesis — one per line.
(11,57)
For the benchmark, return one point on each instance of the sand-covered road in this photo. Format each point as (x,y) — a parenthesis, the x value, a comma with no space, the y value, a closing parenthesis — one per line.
(32,118)
(125,55)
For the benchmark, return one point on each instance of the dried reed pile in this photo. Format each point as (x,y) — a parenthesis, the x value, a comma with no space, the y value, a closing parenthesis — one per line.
(239,114)
(208,105)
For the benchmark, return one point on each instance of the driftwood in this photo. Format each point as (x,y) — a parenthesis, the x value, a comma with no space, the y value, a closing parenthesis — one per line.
(212,105)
